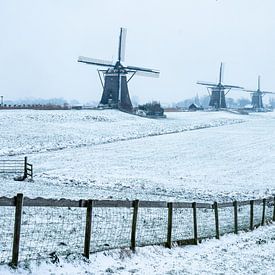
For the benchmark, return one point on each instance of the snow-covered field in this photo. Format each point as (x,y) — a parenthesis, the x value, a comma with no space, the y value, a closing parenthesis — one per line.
(114,155)
(31,131)
(202,156)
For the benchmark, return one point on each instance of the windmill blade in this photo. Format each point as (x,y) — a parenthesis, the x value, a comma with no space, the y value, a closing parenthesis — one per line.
(93,61)
(122,44)
(221,73)
(140,69)
(232,87)
(250,91)
(147,74)
(259,83)
(210,84)
(264,92)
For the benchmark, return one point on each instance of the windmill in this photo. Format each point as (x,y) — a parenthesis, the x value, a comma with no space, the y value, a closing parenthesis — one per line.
(218,91)
(257,96)
(115,84)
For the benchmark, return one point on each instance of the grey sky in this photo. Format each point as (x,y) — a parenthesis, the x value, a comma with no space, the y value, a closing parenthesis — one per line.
(185,40)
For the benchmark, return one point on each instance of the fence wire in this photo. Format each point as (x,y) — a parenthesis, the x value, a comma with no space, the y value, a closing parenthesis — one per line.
(243,217)
(6,233)
(182,228)
(49,231)
(258,214)
(12,166)
(111,228)
(226,220)
(46,231)
(152,226)
(269,211)
(206,223)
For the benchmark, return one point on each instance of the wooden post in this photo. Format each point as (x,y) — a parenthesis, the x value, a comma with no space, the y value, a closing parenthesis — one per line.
(17,229)
(217,220)
(235,204)
(170,222)
(274,210)
(251,215)
(25,167)
(263,216)
(31,171)
(134,225)
(194,206)
(88,228)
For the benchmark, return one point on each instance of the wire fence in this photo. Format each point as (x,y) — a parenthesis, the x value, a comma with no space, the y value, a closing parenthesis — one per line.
(16,166)
(45,228)
(12,166)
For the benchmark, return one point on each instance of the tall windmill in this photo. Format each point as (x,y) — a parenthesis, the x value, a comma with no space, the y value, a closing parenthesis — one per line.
(218,91)
(115,84)
(257,96)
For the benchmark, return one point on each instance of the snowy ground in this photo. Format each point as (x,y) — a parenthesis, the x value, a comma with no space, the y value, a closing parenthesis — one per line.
(30,131)
(114,155)
(246,253)
(189,156)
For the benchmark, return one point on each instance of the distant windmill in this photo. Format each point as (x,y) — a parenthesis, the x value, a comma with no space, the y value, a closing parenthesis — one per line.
(257,96)
(218,91)
(115,86)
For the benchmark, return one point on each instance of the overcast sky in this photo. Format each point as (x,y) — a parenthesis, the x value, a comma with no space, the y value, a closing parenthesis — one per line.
(185,39)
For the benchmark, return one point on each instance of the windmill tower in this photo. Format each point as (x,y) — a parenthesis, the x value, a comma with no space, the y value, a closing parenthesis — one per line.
(115,84)
(257,96)
(217,92)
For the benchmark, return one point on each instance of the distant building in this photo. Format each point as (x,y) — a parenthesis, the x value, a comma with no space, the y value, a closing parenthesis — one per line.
(194,107)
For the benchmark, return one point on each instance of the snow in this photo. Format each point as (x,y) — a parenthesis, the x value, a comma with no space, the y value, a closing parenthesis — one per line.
(115,155)
(30,131)
(198,156)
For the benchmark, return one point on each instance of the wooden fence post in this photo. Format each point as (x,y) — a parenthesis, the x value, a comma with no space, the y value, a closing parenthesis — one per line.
(17,229)
(274,210)
(195,223)
(263,216)
(25,167)
(235,205)
(88,228)
(170,222)
(251,215)
(217,220)
(134,225)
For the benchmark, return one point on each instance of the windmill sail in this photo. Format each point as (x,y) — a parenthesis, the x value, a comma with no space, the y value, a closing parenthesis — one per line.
(122,44)
(147,74)
(93,61)
(221,74)
(232,87)
(206,83)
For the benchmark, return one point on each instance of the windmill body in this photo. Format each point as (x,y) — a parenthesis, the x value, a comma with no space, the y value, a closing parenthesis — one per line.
(257,100)
(217,98)
(257,96)
(217,92)
(115,84)
(111,96)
